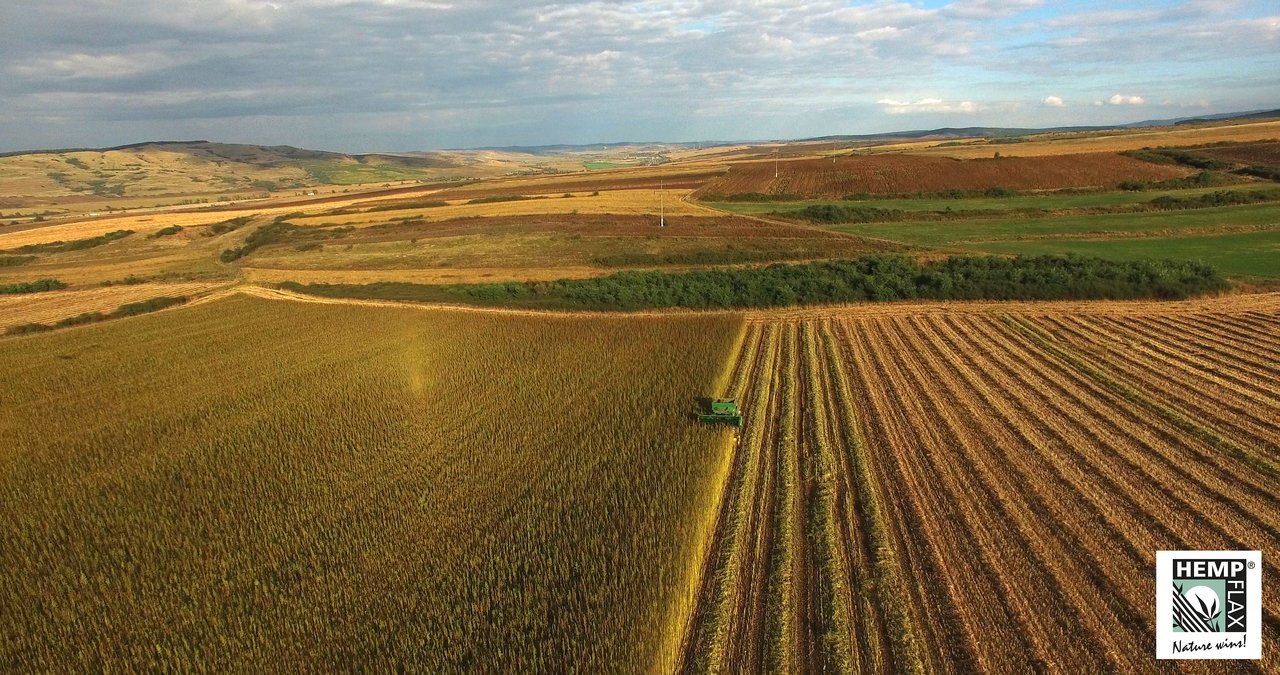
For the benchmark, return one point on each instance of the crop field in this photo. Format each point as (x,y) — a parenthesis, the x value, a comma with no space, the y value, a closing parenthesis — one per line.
(251,482)
(1240,240)
(1258,154)
(54,305)
(901,174)
(1250,253)
(617,202)
(1119,140)
(1047,202)
(518,245)
(920,489)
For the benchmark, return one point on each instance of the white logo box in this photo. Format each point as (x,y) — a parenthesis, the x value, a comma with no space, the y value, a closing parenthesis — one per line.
(1227,569)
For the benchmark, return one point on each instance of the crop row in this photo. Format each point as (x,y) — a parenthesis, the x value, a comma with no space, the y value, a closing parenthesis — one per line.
(253,484)
(960,492)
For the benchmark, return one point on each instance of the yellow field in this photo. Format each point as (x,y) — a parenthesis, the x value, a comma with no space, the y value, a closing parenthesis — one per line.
(442,275)
(255,484)
(1066,144)
(51,306)
(617,202)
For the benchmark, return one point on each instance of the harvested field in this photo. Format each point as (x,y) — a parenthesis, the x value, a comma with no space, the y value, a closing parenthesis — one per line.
(54,305)
(1257,154)
(621,202)
(438,275)
(985,490)
(903,174)
(511,245)
(1114,141)
(670,178)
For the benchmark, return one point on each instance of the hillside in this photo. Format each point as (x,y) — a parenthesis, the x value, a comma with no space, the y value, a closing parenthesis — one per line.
(204,171)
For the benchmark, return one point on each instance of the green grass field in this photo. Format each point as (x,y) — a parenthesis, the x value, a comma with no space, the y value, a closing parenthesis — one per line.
(1241,253)
(947,233)
(348,173)
(1048,202)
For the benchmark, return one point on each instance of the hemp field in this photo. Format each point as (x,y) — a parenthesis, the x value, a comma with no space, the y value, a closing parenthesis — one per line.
(926,489)
(257,484)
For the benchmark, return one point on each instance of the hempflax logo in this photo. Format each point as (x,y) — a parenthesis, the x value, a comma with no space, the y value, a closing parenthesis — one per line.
(1209,604)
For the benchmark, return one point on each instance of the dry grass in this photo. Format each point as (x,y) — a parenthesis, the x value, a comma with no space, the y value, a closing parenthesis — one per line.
(1066,144)
(898,174)
(54,305)
(1263,154)
(440,275)
(136,172)
(617,202)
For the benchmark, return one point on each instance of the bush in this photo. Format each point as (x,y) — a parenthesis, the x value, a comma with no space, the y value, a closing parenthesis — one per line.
(131,309)
(166,231)
(499,198)
(870,278)
(32,287)
(1212,199)
(839,213)
(15,260)
(230,225)
(267,234)
(75,245)
(1267,172)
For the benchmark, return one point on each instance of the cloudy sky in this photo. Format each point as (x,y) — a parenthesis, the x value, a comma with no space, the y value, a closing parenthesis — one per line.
(367,75)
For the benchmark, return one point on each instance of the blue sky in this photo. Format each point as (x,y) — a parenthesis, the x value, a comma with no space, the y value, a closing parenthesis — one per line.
(367,75)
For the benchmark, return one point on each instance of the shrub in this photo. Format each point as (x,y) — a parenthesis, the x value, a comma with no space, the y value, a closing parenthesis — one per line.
(32,287)
(166,231)
(75,245)
(876,278)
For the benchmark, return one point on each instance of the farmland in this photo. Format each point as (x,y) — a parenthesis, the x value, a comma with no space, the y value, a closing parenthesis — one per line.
(897,174)
(951,492)
(353,485)
(449,424)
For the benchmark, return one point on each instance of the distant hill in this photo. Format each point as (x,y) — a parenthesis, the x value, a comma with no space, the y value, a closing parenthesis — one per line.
(204,171)
(946,133)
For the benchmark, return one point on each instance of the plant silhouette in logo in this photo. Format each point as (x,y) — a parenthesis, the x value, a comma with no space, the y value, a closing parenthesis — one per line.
(1196,610)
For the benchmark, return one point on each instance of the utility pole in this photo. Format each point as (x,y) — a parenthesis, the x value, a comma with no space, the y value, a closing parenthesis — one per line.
(662,208)
(775,163)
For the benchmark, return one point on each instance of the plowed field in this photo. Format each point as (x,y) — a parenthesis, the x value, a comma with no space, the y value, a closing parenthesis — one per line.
(897,174)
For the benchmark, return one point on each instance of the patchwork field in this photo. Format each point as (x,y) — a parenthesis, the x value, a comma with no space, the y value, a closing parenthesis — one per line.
(378,475)
(1118,140)
(944,487)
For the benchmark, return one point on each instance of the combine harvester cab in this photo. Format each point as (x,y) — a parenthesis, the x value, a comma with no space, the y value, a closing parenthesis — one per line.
(722,411)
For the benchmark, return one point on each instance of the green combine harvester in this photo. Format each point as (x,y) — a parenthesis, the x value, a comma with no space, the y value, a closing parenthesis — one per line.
(722,411)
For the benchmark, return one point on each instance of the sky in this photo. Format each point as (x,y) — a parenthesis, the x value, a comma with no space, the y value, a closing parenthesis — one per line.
(402,75)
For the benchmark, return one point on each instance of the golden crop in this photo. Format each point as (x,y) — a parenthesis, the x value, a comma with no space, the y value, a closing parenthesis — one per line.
(255,484)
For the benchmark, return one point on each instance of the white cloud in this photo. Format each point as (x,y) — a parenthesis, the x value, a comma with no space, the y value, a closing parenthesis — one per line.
(94,66)
(929,105)
(1121,99)
(990,9)
(1055,102)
